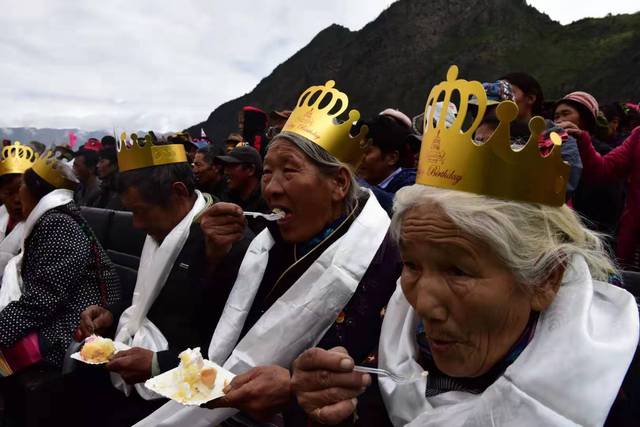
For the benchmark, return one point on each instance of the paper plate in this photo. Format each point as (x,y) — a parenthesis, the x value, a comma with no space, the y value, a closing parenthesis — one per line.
(118,345)
(166,384)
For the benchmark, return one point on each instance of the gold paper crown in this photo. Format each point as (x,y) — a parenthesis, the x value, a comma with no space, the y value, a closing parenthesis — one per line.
(140,153)
(16,158)
(49,167)
(450,159)
(315,118)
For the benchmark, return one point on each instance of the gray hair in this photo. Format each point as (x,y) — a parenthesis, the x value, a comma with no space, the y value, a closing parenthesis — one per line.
(327,163)
(531,239)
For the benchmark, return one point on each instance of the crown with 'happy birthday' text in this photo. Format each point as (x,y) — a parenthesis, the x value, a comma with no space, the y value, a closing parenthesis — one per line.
(138,153)
(450,159)
(16,158)
(315,118)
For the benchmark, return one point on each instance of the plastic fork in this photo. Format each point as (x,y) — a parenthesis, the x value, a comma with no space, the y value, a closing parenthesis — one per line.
(384,373)
(269,217)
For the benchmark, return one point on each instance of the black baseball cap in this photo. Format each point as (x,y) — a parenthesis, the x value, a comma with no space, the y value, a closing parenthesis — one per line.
(243,154)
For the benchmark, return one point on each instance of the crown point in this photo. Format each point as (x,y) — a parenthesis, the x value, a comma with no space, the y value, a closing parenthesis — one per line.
(354,116)
(364,142)
(449,159)
(452,74)
(330,83)
(555,138)
(537,125)
(507,111)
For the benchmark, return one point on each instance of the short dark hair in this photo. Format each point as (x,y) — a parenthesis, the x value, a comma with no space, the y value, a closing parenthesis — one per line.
(154,183)
(528,85)
(90,157)
(210,152)
(37,186)
(110,154)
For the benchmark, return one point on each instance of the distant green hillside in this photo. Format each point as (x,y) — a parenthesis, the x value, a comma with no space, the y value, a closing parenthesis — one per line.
(394,60)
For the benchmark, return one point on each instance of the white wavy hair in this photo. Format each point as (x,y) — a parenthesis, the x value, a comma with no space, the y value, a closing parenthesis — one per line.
(531,239)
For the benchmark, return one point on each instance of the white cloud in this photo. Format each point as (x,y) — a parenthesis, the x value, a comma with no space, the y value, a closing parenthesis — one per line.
(149,64)
(567,11)
(164,65)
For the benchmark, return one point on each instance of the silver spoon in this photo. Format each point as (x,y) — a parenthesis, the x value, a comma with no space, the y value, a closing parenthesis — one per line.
(269,217)
(384,373)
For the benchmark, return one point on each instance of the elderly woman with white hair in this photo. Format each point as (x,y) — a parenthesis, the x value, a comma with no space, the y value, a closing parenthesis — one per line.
(503,314)
(319,276)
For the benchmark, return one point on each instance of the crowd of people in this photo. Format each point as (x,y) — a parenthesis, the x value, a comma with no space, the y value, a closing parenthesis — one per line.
(476,254)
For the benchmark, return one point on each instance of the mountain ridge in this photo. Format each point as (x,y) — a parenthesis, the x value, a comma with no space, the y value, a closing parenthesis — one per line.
(394,60)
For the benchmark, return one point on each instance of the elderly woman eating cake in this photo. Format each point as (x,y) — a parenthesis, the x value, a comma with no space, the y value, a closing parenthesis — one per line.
(319,276)
(503,297)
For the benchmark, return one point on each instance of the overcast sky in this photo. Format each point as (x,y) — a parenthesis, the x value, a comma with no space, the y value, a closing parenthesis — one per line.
(165,65)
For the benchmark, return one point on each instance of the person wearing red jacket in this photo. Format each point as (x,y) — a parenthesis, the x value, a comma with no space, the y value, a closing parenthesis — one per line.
(618,165)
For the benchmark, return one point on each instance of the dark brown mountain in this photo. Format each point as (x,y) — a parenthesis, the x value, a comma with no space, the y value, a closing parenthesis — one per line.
(395,60)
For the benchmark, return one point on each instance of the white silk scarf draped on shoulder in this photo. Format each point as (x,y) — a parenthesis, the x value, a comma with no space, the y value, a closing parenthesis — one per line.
(296,321)
(568,375)
(156,262)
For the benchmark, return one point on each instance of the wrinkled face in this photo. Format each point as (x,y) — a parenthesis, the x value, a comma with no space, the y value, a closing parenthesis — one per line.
(105,168)
(155,220)
(10,195)
(566,113)
(205,173)
(376,165)
(472,309)
(293,183)
(81,170)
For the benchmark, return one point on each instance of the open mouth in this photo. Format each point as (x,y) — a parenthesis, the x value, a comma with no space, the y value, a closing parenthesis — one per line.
(287,213)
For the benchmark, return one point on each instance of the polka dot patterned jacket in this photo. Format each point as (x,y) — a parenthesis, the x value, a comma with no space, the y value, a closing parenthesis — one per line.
(64,270)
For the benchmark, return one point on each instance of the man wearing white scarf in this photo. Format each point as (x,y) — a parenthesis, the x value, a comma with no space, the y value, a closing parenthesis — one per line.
(178,294)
